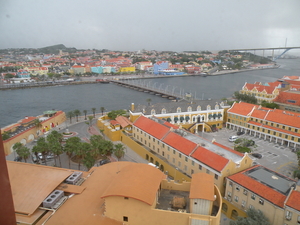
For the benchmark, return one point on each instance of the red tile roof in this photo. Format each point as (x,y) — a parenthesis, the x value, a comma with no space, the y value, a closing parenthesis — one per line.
(284,96)
(180,143)
(260,88)
(123,121)
(151,127)
(241,108)
(210,159)
(258,188)
(294,200)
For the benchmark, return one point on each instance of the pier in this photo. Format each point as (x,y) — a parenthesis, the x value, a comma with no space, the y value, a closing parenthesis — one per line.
(154,88)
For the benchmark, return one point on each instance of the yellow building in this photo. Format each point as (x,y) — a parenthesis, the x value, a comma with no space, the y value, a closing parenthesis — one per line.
(176,150)
(262,189)
(116,193)
(195,116)
(26,131)
(273,125)
(127,69)
(261,92)
(37,70)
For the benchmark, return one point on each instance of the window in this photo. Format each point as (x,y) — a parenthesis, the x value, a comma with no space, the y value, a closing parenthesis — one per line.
(230,183)
(168,148)
(193,163)
(163,153)
(178,110)
(251,207)
(216,177)
(237,188)
(245,192)
(173,151)
(179,155)
(261,201)
(253,196)
(186,159)
(179,164)
(126,198)
(229,194)
(174,160)
(288,215)
(236,198)
(185,168)
(125,218)
(243,203)
(163,111)
(192,171)
(200,167)
(207,171)
(168,156)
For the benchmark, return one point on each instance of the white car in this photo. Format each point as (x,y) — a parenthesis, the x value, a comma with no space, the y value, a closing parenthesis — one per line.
(232,138)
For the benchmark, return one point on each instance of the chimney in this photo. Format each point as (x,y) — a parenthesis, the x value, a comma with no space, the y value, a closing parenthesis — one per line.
(132,107)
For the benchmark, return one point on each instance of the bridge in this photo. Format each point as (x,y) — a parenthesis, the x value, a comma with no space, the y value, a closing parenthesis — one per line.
(168,91)
(286,49)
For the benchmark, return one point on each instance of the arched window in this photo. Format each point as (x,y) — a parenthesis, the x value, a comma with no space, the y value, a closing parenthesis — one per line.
(224,207)
(178,110)
(216,106)
(147,157)
(208,107)
(153,112)
(163,111)
(189,109)
(198,108)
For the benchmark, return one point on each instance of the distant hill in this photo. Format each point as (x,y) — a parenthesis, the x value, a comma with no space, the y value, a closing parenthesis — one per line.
(54,49)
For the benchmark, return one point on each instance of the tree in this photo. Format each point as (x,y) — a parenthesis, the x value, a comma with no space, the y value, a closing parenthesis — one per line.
(24,152)
(41,147)
(94,111)
(119,150)
(102,109)
(77,113)
(84,152)
(85,112)
(54,140)
(106,148)
(5,135)
(70,115)
(255,217)
(113,114)
(149,101)
(37,124)
(270,105)
(71,146)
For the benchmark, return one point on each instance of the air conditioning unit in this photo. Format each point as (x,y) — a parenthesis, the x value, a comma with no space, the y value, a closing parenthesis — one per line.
(73,178)
(54,197)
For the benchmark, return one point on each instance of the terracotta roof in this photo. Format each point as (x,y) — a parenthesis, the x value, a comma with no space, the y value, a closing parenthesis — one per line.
(199,190)
(151,127)
(241,108)
(263,190)
(210,159)
(282,117)
(113,122)
(285,96)
(294,200)
(27,119)
(137,181)
(123,121)
(31,184)
(180,143)
(260,88)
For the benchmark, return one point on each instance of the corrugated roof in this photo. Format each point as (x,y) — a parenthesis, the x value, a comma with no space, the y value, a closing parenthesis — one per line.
(31,184)
(202,186)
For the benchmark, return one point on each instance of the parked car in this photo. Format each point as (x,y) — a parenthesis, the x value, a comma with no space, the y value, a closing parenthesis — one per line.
(257,155)
(240,133)
(104,161)
(233,138)
(18,159)
(34,158)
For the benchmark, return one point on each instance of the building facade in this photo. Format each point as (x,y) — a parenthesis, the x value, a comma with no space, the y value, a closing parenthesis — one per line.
(274,125)
(263,189)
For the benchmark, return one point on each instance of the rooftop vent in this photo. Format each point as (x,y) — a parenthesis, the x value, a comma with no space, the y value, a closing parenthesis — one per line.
(54,197)
(73,178)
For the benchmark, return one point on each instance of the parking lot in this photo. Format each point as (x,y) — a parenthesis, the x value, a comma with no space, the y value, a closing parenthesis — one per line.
(274,156)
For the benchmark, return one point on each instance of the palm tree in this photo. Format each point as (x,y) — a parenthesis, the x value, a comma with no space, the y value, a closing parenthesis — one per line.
(41,147)
(71,146)
(37,123)
(94,110)
(149,101)
(54,140)
(70,115)
(85,112)
(119,150)
(24,152)
(102,109)
(77,113)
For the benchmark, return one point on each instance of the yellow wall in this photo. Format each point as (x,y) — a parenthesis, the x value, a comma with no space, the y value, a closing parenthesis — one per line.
(33,132)
(141,213)
(127,69)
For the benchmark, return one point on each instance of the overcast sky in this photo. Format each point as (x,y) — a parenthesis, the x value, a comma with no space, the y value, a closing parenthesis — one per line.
(175,25)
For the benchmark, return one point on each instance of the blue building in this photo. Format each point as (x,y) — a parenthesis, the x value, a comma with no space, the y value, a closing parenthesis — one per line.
(160,66)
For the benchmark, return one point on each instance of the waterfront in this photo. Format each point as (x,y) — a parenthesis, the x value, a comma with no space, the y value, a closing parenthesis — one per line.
(16,104)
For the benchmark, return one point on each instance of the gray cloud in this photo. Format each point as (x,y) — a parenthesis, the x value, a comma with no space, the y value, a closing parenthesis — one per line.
(144,24)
